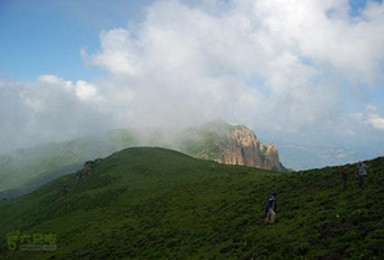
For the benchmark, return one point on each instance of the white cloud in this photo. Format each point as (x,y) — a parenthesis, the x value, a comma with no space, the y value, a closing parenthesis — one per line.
(272,62)
(377,122)
(323,32)
(51,109)
(56,81)
(86,91)
(51,79)
(119,52)
(37,104)
(371,117)
(83,90)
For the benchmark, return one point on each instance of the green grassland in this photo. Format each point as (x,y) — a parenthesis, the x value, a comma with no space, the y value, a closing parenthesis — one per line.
(27,169)
(152,203)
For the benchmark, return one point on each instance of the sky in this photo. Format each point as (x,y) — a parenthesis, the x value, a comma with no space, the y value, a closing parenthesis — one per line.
(307,75)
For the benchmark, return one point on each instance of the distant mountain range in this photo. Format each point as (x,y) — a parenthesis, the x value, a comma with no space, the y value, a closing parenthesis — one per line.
(27,169)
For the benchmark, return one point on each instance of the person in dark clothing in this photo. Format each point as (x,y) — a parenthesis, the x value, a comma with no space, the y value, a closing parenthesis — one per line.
(271,209)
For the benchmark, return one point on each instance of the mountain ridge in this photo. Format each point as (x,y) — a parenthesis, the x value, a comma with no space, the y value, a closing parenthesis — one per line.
(157,203)
(26,169)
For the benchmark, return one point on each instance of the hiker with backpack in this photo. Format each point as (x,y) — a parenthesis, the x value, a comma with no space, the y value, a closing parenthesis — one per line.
(271,209)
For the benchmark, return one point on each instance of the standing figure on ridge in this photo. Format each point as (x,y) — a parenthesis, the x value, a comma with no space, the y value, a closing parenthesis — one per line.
(362,168)
(271,209)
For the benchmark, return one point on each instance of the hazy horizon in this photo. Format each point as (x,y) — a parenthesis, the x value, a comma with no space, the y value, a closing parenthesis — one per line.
(305,75)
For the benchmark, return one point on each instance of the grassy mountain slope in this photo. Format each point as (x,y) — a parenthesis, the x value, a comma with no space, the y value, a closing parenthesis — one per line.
(156,203)
(28,169)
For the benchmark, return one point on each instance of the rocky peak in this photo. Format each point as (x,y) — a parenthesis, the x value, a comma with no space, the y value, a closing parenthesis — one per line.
(244,136)
(247,150)
(234,144)
(241,146)
(271,149)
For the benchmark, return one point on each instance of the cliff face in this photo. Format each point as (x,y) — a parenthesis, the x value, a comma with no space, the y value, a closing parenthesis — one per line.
(243,148)
(237,145)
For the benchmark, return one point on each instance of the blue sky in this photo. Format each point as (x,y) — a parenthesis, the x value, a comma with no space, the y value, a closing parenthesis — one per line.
(45,37)
(35,31)
(357,6)
(296,72)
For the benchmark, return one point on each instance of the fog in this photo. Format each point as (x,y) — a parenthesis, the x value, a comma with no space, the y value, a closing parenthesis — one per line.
(267,65)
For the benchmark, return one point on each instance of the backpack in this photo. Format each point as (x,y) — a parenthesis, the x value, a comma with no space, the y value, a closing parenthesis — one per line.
(271,203)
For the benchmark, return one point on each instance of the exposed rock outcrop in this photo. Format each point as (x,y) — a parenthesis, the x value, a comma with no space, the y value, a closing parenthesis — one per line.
(244,148)
(237,145)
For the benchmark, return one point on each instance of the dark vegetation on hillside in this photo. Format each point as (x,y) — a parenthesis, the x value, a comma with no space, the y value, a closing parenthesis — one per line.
(153,203)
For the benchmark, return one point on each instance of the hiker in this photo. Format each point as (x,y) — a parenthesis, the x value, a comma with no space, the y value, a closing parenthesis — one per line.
(362,168)
(271,209)
(344,176)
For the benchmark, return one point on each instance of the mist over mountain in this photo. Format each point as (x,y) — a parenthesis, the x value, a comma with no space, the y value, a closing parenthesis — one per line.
(27,169)
(104,139)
